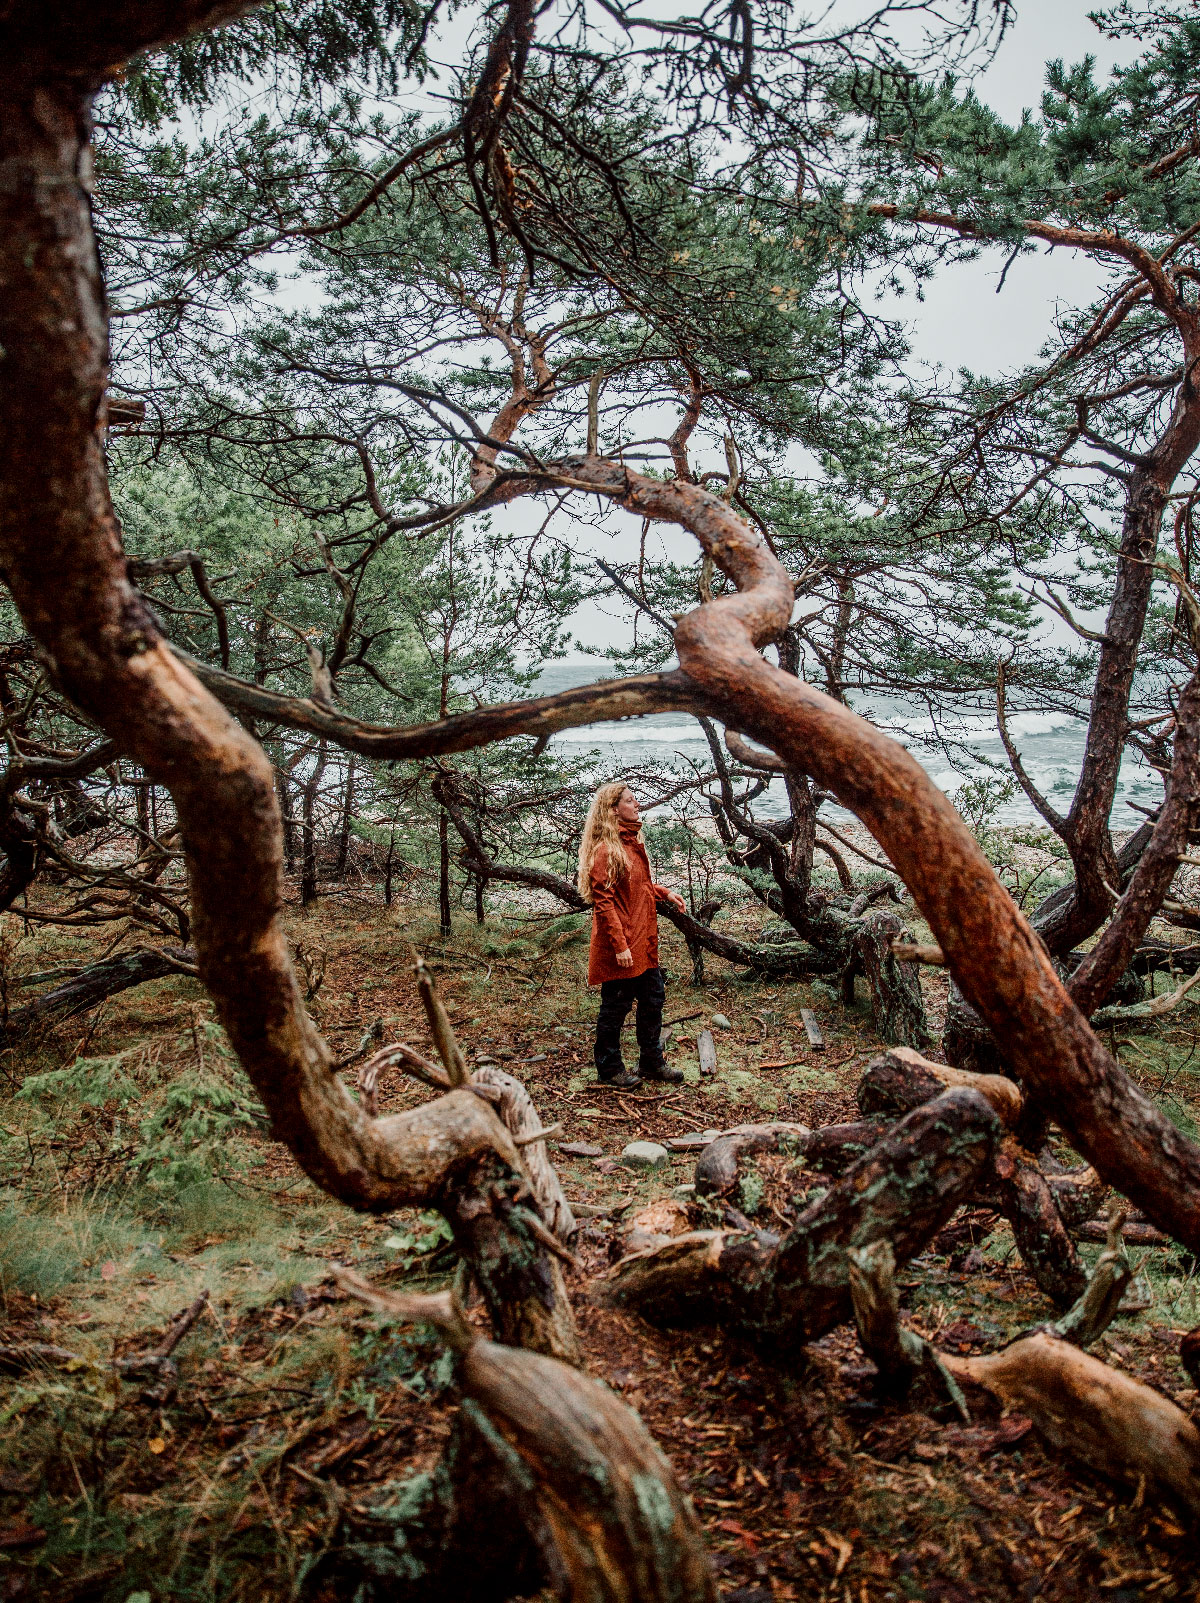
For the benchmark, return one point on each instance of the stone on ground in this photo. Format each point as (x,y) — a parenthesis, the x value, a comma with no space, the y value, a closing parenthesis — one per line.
(644,1155)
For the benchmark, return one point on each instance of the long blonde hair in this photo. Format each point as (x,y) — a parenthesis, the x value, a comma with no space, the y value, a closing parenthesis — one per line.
(602,828)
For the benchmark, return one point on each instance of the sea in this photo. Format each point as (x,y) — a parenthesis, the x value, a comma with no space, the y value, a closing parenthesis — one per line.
(1051,746)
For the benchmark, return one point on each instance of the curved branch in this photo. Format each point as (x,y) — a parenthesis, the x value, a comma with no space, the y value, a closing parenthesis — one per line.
(997,961)
(1151,879)
(1055,819)
(743,752)
(543,716)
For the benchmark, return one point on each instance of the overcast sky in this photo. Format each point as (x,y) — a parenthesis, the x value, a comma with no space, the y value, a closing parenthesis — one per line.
(962,321)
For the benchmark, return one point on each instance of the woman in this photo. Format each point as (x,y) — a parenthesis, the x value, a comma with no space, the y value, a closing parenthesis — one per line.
(614,876)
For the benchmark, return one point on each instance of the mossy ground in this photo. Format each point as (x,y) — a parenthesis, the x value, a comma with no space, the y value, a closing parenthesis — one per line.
(135,1174)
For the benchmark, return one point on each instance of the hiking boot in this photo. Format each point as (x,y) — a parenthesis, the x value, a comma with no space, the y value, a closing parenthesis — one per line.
(664,1071)
(621,1082)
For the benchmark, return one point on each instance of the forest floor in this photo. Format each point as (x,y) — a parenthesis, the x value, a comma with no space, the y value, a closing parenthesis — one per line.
(136,1175)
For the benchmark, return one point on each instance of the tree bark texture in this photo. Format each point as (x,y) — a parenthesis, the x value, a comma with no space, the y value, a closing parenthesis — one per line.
(1105,1419)
(896,1001)
(549,1480)
(1112,954)
(898,1081)
(904,1189)
(1015,1185)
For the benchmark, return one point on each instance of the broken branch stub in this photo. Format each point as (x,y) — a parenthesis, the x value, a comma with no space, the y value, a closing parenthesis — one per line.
(440,1027)
(523,1123)
(1097,1307)
(901,1079)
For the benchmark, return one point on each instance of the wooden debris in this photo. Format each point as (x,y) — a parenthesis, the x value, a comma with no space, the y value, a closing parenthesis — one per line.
(1102,1417)
(909,952)
(1138,1235)
(812,1029)
(706,1051)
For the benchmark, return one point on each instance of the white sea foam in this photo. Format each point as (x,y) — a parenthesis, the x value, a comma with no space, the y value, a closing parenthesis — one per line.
(656,734)
(1021,725)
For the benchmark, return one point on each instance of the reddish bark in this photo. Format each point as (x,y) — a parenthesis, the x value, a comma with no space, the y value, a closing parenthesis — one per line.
(61,551)
(1103,966)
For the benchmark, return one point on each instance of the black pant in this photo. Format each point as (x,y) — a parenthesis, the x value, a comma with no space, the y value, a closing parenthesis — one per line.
(649,991)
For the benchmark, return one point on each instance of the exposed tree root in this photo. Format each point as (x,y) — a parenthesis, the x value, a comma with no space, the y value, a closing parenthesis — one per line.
(904,1189)
(550,1480)
(1022,1194)
(1014,1184)
(896,1000)
(1096,1414)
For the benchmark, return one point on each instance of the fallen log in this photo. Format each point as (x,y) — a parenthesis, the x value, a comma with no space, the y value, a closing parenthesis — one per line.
(1100,1416)
(95,984)
(1136,1233)
(717,1168)
(901,1079)
(785,1294)
(834,1147)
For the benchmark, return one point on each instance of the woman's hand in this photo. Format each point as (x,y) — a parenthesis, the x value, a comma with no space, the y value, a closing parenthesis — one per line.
(676,901)
(625,959)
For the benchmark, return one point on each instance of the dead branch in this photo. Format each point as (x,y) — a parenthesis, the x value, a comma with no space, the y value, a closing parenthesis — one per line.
(1105,1419)
(520,1117)
(778,1295)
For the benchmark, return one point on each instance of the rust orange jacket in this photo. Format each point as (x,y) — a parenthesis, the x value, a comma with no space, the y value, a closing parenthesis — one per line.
(624,915)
